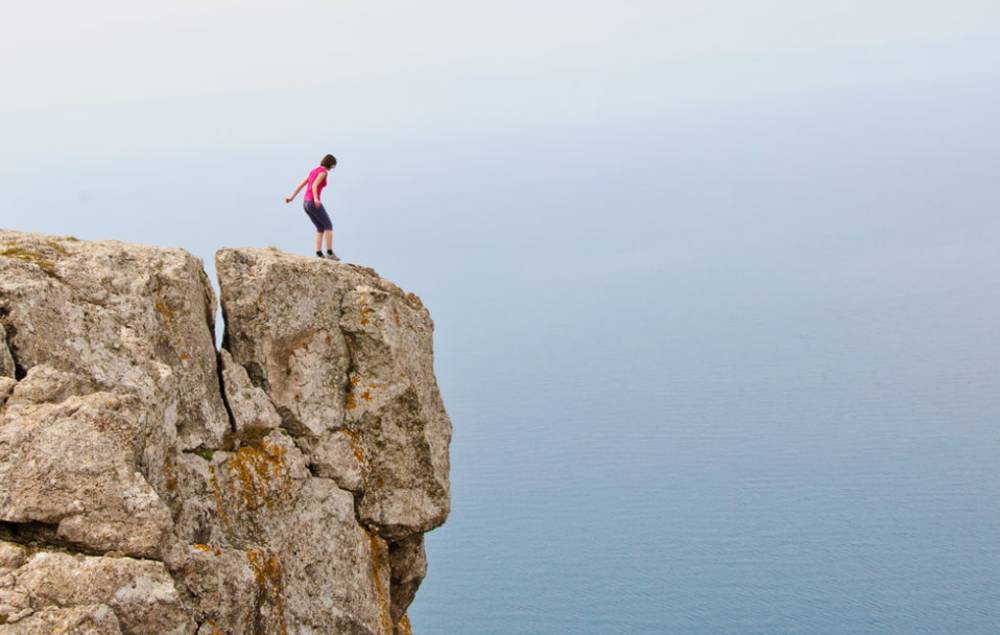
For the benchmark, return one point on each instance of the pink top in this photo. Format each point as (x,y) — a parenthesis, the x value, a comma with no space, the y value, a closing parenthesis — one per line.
(319,189)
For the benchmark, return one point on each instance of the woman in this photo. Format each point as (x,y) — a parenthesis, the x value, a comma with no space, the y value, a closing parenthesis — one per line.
(314,184)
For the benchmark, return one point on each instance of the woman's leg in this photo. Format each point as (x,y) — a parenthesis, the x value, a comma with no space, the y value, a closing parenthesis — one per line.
(329,239)
(313,213)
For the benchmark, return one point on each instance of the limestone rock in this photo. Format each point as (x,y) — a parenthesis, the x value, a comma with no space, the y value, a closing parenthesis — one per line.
(336,347)
(340,457)
(48,591)
(96,619)
(151,484)
(395,405)
(141,593)
(127,317)
(299,534)
(281,326)
(249,405)
(14,602)
(408,566)
(6,359)
(72,468)
(6,387)
(403,626)
(47,385)
(218,585)
(11,555)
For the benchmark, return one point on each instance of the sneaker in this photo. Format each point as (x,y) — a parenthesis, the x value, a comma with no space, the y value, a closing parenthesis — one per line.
(332,256)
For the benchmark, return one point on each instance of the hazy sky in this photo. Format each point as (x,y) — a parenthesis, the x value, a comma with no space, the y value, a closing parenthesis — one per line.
(484,144)
(112,81)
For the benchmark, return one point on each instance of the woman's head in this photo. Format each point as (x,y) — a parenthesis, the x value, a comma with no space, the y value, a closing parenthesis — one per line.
(328,161)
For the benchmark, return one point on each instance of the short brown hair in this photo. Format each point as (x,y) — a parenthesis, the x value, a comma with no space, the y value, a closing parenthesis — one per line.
(328,161)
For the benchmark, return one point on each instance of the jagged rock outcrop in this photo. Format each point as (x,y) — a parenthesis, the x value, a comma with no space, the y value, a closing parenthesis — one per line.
(345,357)
(151,484)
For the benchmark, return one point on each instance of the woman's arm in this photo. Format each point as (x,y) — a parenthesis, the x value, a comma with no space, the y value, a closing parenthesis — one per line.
(316,183)
(297,190)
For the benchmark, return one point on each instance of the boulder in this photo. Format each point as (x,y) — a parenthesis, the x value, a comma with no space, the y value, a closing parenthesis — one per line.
(59,592)
(128,318)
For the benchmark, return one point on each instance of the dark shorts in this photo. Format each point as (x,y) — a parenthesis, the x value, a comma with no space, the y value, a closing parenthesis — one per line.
(317,214)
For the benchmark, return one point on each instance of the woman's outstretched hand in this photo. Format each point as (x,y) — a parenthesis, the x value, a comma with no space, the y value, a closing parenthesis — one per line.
(288,199)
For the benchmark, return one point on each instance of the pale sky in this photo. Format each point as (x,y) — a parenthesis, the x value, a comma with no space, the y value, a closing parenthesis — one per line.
(469,133)
(118,79)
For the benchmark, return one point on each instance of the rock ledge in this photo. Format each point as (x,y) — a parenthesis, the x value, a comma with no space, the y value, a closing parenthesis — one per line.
(152,484)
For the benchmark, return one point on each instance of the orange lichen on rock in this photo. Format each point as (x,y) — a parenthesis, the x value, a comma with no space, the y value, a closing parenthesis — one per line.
(404,627)
(220,506)
(350,401)
(380,560)
(365,312)
(261,471)
(207,549)
(355,439)
(413,300)
(164,310)
(270,583)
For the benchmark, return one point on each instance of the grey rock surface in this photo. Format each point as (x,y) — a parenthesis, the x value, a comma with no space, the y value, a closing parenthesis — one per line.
(248,404)
(338,348)
(70,471)
(152,484)
(7,386)
(6,359)
(127,318)
(96,619)
(339,457)
(408,563)
(141,593)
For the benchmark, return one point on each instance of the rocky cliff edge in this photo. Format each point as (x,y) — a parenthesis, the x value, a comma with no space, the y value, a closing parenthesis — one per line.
(150,483)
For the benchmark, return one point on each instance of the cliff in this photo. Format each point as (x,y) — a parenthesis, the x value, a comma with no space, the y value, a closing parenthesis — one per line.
(150,483)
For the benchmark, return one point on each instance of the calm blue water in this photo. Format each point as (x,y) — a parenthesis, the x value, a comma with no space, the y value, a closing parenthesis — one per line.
(767,403)
(765,453)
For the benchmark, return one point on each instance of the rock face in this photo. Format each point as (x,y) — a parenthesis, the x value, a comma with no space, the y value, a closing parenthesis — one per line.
(152,484)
